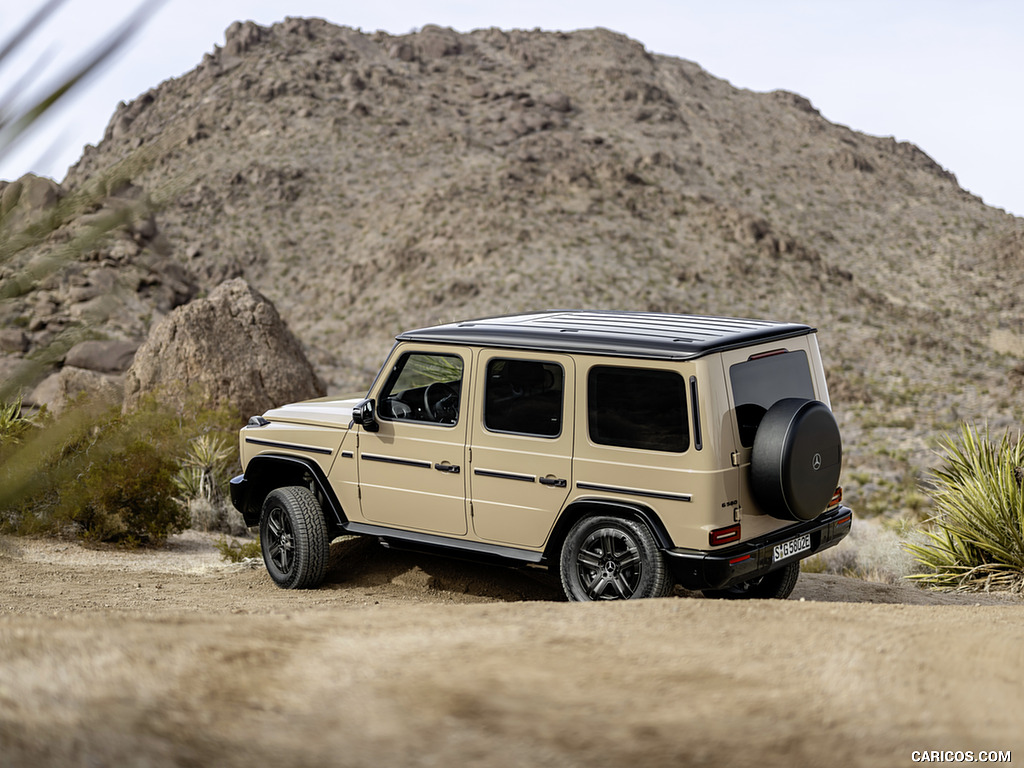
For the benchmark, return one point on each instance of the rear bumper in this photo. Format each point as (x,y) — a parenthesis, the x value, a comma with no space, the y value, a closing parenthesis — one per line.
(694,569)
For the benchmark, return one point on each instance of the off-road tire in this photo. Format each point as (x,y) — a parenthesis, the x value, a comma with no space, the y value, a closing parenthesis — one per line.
(293,536)
(777,585)
(612,558)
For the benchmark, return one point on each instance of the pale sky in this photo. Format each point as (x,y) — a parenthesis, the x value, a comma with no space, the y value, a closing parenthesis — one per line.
(944,74)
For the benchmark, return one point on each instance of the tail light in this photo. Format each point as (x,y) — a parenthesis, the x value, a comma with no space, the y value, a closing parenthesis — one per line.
(727,535)
(837,499)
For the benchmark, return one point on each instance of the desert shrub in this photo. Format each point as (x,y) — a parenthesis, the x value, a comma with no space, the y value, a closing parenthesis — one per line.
(238,551)
(201,482)
(104,475)
(13,424)
(975,541)
(874,551)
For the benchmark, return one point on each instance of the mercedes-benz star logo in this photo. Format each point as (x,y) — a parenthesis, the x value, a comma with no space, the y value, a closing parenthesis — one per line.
(816,462)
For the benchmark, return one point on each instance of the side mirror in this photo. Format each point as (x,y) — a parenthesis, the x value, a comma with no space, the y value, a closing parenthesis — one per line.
(363,414)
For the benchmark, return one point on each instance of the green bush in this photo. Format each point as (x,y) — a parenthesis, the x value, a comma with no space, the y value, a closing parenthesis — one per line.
(104,475)
(975,541)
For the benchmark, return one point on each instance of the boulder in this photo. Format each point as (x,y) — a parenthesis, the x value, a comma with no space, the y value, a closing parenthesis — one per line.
(102,356)
(69,383)
(13,340)
(231,348)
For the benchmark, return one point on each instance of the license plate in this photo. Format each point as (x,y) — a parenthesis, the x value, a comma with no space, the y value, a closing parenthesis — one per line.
(791,547)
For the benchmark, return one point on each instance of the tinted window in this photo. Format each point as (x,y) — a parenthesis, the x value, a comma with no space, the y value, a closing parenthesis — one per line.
(423,387)
(524,397)
(637,408)
(760,383)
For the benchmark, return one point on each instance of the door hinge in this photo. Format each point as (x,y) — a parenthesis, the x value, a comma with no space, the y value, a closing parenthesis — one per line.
(471,509)
(735,458)
(470,457)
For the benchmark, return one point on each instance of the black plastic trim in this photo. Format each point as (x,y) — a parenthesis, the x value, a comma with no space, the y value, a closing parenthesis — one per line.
(415,539)
(635,492)
(289,446)
(587,505)
(393,460)
(505,475)
(244,486)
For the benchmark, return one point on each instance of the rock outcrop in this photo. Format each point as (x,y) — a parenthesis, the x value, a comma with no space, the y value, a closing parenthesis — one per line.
(230,348)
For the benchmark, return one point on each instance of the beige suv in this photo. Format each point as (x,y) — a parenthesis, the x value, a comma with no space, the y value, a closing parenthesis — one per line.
(631,451)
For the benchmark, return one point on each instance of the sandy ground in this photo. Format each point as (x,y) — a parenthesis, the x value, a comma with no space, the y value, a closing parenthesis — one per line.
(174,658)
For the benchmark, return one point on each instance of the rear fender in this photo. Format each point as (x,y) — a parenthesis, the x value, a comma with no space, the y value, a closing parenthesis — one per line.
(585,507)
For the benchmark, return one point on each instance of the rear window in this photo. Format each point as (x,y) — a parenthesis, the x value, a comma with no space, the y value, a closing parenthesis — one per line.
(637,408)
(759,383)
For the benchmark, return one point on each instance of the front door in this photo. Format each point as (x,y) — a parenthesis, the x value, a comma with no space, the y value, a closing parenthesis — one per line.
(412,470)
(521,442)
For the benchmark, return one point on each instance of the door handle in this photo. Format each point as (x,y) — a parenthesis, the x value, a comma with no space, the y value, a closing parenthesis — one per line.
(446,467)
(556,482)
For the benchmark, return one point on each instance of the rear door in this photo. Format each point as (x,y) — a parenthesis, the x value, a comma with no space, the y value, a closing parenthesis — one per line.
(521,444)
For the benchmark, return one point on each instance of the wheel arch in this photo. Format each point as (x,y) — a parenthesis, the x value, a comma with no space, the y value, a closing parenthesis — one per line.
(597,506)
(266,472)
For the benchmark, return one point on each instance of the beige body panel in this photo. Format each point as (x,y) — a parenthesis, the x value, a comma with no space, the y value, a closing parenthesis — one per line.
(519,483)
(401,482)
(689,491)
(319,444)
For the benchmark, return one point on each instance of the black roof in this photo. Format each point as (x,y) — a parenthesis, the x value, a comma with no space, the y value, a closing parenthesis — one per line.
(623,334)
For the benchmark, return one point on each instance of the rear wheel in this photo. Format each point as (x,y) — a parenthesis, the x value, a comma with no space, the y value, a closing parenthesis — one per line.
(612,558)
(293,536)
(777,585)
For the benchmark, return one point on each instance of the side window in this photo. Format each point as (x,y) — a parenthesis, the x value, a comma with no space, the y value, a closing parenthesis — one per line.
(637,408)
(763,380)
(423,388)
(524,397)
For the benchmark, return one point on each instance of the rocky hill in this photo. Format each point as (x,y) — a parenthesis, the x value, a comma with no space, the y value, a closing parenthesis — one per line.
(370,183)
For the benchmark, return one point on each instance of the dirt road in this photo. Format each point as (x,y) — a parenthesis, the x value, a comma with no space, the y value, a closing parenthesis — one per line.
(172,658)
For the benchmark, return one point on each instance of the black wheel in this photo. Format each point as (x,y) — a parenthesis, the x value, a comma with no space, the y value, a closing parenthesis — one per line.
(777,585)
(795,460)
(612,558)
(293,535)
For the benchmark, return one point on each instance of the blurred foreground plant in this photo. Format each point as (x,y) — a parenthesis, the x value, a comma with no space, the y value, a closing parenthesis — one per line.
(104,475)
(975,541)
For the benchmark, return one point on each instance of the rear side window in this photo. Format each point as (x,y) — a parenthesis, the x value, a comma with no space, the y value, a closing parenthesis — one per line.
(759,383)
(524,397)
(637,408)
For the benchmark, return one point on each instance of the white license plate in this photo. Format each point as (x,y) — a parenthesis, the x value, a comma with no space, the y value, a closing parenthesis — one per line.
(791,547)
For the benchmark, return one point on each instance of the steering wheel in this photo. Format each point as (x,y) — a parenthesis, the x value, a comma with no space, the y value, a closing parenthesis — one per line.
(440,402)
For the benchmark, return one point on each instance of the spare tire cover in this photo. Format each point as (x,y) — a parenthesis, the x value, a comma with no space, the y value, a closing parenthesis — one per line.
(796,458)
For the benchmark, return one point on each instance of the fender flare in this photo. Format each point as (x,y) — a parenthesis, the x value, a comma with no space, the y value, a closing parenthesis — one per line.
(266,471)
(582,507)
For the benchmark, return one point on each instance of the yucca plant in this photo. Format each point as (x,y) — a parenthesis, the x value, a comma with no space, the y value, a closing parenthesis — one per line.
(975,541)
(204,468)
(13,424)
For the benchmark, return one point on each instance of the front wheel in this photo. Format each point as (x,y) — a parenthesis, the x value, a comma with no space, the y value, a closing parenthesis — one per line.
(293,536)
(777,585)
(612,558)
